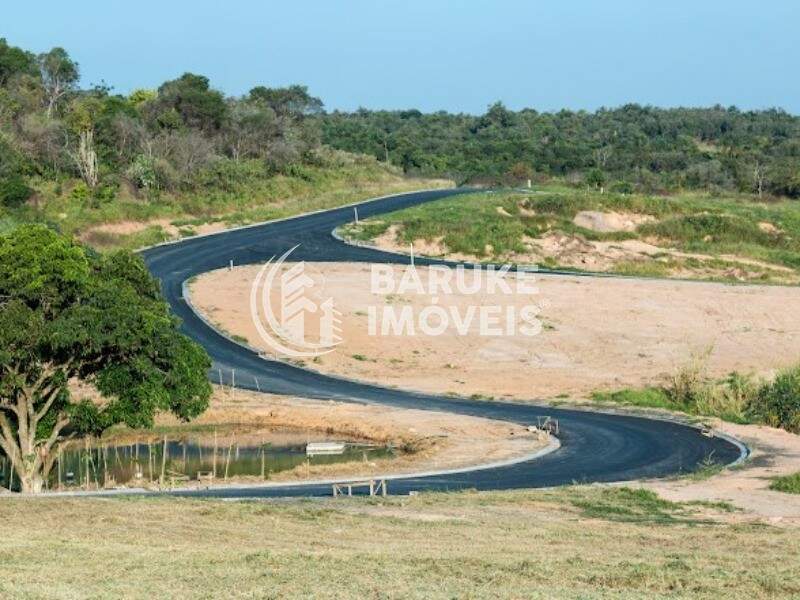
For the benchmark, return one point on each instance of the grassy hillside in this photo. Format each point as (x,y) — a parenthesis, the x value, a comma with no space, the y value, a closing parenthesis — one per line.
(587,542)
(730,238)
(131,221)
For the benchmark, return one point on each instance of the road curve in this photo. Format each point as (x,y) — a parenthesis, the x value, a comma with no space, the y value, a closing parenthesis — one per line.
(595,447)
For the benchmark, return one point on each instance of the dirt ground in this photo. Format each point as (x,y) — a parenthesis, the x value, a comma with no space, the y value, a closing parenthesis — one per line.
(427,440)
(131,227)
(596,333)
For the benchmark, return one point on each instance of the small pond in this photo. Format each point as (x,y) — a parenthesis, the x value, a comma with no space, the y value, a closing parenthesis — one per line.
(182,457)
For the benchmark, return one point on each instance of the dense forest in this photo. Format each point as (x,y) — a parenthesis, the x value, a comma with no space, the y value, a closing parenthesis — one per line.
(629,148)
(185,136)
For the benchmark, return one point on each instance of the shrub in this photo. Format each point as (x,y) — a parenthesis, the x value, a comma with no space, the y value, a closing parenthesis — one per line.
(689,385)
(778,403)
(714,227)
(567,206)
(80,193)
(622,187)
(14,191)
(230,175)
(728,399)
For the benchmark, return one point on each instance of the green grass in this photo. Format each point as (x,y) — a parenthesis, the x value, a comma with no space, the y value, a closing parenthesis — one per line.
(690,390)
(491,226)
(736,398)
(642,398)
(789,484)
(629,505)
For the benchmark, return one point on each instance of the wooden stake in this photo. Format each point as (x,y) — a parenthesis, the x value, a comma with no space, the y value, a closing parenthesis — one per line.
(214,469)
(164,460)
(105,466)
(263,460)
(228,460)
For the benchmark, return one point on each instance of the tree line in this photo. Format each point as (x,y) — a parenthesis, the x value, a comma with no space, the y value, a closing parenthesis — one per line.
(186,135)
(631,148)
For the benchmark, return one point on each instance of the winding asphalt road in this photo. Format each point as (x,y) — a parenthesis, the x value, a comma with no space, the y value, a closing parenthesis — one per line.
(595,447)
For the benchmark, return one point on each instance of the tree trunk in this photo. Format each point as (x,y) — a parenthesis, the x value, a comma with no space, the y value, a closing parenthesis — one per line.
(86,159)
(30,482)
(31,457)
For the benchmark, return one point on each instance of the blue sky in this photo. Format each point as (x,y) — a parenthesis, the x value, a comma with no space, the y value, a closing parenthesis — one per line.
(457,55)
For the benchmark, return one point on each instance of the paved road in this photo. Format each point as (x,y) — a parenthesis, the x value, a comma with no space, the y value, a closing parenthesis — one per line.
(594,447)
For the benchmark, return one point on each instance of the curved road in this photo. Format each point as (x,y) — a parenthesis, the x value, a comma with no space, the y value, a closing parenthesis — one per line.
(595,447)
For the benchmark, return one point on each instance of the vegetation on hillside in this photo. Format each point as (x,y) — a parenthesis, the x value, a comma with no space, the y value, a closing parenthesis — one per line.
(631,148)
(731,237)
(73,157)
(184,152)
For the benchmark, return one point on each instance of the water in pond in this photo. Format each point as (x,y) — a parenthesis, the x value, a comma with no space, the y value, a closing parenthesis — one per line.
(189,455)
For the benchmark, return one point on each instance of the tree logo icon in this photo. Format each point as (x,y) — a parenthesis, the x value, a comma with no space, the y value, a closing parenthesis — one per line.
(287,318)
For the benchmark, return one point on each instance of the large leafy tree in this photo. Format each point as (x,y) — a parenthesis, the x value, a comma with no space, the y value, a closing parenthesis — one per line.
(189,101)
(67,316)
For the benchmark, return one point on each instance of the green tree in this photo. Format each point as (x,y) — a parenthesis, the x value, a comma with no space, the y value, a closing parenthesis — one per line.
(60,74)
(15,61)
(68,315)
(294,101)
(191,97)
(596,178)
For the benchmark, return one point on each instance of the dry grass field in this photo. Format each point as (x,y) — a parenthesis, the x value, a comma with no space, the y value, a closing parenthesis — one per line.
(581,542)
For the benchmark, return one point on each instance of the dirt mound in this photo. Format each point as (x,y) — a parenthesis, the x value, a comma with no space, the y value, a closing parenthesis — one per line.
(608,222)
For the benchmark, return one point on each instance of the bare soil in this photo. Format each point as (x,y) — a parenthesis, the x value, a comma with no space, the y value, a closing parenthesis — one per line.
(131,227)
(610,221)
(598,334)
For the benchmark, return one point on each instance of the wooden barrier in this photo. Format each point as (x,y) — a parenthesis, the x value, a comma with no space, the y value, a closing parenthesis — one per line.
(375,487)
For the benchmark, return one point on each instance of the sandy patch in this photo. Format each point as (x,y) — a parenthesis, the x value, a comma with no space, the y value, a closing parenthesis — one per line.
(132,227)
(597,333)
(610,221)
(573,251)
